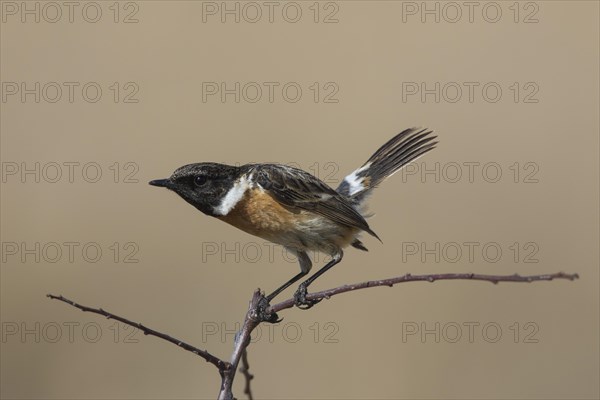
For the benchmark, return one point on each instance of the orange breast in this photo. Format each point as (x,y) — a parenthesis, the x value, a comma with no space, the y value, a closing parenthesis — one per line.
(259,214)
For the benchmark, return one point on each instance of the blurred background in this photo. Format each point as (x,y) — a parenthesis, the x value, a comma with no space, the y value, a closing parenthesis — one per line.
(98,98)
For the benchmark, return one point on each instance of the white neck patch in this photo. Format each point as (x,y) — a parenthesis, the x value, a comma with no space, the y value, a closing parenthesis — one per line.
(233,196)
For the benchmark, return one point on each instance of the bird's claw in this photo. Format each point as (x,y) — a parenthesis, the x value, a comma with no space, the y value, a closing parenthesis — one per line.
(300,299)
(263,315)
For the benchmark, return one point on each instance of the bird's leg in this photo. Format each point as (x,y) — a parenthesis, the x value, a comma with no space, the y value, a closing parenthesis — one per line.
(266,300)
(300,295)
(305,266)
(286,285)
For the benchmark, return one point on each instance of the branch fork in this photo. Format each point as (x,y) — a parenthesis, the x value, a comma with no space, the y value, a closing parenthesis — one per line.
(259,311)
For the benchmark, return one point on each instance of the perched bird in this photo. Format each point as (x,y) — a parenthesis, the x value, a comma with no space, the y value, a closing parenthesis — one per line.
(293,208)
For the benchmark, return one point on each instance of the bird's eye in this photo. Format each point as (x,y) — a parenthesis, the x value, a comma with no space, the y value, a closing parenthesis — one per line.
(200,180)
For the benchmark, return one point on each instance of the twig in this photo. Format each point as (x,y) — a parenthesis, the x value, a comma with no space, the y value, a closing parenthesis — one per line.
(326,294)
(258,310)
(217,362)
(242,340)
(245,370)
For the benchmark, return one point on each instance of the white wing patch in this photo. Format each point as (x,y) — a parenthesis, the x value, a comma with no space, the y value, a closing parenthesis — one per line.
(355,182)
(235,194)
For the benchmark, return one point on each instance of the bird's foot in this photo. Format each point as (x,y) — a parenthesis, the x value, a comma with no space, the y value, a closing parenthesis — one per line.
(300,298)
(263,314)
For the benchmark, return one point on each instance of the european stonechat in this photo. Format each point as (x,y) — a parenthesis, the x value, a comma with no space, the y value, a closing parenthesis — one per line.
(293,208)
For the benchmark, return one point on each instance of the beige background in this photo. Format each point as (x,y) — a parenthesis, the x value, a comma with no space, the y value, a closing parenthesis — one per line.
(179,288)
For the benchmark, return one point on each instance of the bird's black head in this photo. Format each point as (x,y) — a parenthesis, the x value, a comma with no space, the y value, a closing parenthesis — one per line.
(203,185)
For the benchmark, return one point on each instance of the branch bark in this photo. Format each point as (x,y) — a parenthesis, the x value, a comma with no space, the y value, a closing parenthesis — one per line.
(242,340)
(326,294)
(217,362)
(245,370)
(258,312)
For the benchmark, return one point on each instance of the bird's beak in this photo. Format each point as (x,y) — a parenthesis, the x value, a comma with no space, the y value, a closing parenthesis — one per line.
(161,183)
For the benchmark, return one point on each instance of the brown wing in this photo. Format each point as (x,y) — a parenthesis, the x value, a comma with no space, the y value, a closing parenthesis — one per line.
(294,187)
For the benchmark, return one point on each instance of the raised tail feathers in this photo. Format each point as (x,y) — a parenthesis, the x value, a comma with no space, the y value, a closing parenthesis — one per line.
(400,150)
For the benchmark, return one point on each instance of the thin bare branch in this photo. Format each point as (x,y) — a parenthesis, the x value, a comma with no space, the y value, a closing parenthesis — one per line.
(259,311)
(326,294)
(242,340)
(217,362)
(245,370)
